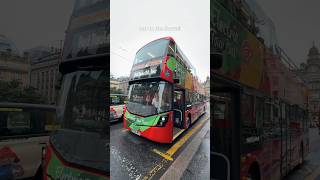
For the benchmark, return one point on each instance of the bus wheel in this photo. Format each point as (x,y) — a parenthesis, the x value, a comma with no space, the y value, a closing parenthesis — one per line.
(254,173)
(39,173)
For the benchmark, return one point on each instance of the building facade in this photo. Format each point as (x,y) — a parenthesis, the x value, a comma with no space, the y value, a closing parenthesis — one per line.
(44,74)
(310,73)
(12,65)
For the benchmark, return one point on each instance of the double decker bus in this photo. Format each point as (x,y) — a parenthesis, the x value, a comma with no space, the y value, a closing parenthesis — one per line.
(24,128)
(164,97)
(259,106)
(80,149)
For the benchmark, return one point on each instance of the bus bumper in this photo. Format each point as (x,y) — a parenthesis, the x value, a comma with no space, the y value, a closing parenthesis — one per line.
(157,134)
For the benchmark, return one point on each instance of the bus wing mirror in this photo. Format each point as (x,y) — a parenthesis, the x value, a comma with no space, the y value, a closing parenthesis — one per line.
(176,81)
(217,60)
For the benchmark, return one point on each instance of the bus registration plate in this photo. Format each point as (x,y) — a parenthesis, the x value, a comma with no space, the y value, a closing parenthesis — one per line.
(135,132)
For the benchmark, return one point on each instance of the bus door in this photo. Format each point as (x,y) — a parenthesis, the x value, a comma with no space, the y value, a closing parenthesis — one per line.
(225,152)
(179,108)
(284,139)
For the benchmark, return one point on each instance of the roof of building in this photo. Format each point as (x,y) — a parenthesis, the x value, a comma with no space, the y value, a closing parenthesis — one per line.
(314,51)
(6,44)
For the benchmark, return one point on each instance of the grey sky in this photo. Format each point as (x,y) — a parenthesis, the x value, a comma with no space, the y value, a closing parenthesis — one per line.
(297,25)
(30,23)
(135,23)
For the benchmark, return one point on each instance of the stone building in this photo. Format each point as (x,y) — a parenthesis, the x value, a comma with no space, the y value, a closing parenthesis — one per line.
(310,73)
(44,73)
(12,65)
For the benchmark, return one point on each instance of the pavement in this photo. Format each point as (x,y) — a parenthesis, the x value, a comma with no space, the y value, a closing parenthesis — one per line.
(310,170)
(199,167)
(134,157)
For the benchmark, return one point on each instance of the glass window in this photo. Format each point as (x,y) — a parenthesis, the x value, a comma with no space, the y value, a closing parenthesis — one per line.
(188,99)
(171,49)
(219,109)
(82,104)
(259,111)
(247,111)
(149,98)
(27,121)
(118,99)
(155,49)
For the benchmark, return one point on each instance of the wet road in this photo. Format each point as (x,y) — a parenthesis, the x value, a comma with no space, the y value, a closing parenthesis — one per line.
(310,169)
(134,157)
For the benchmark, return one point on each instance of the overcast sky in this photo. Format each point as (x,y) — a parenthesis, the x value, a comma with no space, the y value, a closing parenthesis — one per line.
(135,23)
(297,25)
(30,23)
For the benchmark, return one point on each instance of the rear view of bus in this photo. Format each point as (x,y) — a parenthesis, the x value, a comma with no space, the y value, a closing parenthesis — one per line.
(164,97)
(80,150)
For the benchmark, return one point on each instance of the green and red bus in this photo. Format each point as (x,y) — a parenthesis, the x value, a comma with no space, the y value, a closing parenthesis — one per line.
(80,149)
(165,96)
(259,106)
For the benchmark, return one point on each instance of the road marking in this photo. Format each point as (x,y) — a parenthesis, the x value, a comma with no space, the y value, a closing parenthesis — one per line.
(176,135)
(177,145)
(164,155)
(168,155)
(155,169)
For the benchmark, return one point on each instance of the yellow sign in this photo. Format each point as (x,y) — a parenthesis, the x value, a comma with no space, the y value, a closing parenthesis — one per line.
(11,110)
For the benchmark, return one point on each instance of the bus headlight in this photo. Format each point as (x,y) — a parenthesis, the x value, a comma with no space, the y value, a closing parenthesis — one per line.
(162,121)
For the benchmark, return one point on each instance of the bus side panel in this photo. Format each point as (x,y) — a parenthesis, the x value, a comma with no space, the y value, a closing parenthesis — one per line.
(196,111)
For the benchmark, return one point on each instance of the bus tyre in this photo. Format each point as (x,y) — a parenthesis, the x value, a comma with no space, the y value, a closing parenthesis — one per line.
(39,174)
(254,173)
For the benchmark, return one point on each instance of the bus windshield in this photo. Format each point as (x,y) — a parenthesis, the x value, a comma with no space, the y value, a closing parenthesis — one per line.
(149,98)
(80,107)
(155,49)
